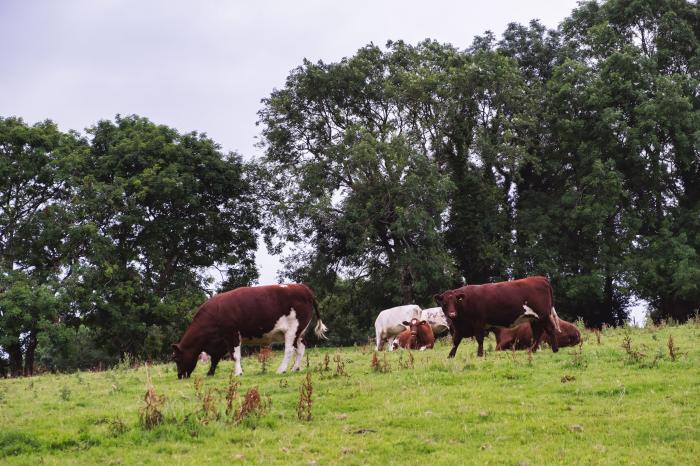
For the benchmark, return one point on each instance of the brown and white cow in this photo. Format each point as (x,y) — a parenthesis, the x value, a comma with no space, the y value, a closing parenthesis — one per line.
(256,315)
(520,336)
(418,335)
(474,308)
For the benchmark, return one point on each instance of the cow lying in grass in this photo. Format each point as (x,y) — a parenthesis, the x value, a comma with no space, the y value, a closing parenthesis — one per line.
(418,335)
(389,323)
(520,337)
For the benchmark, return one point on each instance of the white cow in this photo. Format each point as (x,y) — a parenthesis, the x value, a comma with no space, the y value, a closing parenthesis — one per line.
(436,318)
(389,323)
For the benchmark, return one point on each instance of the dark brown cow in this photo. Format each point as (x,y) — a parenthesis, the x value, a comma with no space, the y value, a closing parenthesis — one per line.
(256,315)
(474,308)
(418,335)
(521,336)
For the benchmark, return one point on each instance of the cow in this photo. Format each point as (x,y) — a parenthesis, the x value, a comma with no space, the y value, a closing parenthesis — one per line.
(257,315)
(472,309)
(436,318)
(520,337)
(418,335)
(389,323)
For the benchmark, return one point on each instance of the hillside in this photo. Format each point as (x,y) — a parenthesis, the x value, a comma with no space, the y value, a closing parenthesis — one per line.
(600,403)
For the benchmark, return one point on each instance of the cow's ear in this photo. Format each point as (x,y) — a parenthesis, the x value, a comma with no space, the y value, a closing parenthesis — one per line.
(438,298)
(406,323)
(176,347)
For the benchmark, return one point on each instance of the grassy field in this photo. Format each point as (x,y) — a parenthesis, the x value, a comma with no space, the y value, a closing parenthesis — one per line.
(597,404)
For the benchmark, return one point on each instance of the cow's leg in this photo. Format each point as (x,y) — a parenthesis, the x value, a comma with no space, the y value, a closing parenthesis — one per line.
(456,340)
(214,361)
(288,350)
(234,348)
(551,332)
(390,343)
(537,328)
(380,340)
(480,342)
(301,347)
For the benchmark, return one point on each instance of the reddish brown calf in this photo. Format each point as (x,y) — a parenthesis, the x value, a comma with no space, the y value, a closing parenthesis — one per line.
(418,335)
(520,337)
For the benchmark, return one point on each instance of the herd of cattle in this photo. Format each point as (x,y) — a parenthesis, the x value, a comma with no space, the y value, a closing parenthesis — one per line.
(520,313)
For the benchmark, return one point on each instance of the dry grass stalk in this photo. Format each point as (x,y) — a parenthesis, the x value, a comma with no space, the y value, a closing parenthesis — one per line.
(264,356)
(231,392)
(198,381)
(252,405)
(151,413)
(340,366)
(672,348)
(209,410)
(305,401)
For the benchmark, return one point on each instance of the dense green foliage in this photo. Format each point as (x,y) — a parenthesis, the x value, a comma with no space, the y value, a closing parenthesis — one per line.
(596,405)
(387,177)
(572,153)
(106,239)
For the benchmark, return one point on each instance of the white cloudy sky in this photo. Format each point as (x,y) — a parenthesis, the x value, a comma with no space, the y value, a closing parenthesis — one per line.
(205,65)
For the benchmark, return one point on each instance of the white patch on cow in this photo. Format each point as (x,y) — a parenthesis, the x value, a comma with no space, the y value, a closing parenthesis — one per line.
(554,317)
(283,286)
(529,312)
(422,348)
(278,332)
(237,358)
(436,318)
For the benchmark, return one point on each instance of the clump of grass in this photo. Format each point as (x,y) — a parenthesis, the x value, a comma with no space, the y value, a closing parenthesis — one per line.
(252,405)
(64,393)
(117,427)
(409,363)
(128,361)
(672,348)
(325,365)
(231,393)
(339,366)
(633,355)
(198,381)
(264,356)
(578,359)
(380,366)
(305,401)
(210,412)
(151,413)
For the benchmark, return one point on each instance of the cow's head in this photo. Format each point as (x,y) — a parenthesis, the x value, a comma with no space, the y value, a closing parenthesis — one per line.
(450,301)
(413,325)
(186,360)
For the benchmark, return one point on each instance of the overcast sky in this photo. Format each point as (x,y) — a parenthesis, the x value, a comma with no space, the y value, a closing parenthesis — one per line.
(205,65)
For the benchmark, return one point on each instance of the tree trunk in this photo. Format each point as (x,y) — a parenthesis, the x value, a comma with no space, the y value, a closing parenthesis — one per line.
(15,352)
(29,355)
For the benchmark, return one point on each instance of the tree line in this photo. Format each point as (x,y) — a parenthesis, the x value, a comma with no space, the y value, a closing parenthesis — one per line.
(385,177)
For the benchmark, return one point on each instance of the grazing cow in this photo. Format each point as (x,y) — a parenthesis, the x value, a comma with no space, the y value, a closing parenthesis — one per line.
(389,323)
(418,335)
(256,315)
(520,336)
(436,318)
(474,308)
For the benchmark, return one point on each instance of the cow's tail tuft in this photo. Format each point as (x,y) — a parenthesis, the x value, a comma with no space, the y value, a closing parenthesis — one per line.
(555,319)
(320,329)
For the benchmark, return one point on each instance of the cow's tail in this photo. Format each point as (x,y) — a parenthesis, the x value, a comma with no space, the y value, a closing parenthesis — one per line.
(553,315)
(320,329)
(555,319)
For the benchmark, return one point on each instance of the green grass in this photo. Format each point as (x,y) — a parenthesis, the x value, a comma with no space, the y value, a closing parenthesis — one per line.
(500,409)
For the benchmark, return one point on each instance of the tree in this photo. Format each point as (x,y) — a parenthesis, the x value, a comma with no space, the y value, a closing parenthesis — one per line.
(163,208)
(34,225)
(347,174)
